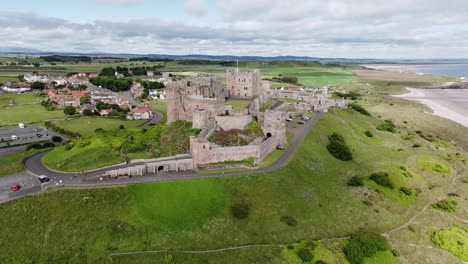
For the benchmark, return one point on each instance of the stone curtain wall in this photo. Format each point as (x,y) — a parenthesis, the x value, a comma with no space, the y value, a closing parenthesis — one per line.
(202,152)
(233,122)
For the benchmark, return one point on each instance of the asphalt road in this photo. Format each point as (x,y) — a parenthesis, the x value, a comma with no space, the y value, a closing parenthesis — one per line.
(88,178)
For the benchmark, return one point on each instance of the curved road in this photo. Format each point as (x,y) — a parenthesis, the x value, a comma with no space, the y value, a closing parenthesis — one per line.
(88,178)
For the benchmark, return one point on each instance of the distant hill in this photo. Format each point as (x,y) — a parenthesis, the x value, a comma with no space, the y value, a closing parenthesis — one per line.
(27,51)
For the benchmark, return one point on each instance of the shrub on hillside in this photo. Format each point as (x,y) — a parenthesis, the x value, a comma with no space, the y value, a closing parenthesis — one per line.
(338,148)
(364,244)
(406,190)
(305,254)
(388,126)
(87,112)
(356,181)
(240,210)
(289,220)
(446,205)
(369,134)
(382,179)
(359,108)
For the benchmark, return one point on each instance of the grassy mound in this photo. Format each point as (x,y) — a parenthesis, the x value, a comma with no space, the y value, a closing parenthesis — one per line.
(454,240)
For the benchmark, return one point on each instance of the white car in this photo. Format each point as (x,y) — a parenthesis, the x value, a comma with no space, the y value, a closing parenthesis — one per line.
(14,137)
(21,125)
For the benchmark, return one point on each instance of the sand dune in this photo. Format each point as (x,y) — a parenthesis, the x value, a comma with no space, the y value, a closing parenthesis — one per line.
(448,103)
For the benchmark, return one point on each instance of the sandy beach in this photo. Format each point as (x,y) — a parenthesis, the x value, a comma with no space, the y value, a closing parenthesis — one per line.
(448,103)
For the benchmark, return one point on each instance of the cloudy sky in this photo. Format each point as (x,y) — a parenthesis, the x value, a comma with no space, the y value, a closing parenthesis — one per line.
(320,28)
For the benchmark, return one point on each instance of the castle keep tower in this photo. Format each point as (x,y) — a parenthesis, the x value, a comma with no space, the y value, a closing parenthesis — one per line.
(243,84)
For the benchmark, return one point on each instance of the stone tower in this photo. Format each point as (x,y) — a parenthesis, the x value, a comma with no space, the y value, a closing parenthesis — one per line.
(243,84)
(274,124)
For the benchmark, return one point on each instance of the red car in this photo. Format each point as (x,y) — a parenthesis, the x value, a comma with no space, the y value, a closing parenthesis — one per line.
(15,187)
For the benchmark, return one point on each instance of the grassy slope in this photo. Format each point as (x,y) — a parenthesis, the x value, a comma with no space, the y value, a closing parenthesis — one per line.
(312,188)
(13,163)
(87,125)
(19,99)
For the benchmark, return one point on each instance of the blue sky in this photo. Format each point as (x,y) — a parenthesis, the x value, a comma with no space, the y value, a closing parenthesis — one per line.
(322,28)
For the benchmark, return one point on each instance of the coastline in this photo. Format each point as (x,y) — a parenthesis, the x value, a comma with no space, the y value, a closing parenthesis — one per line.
(447,103)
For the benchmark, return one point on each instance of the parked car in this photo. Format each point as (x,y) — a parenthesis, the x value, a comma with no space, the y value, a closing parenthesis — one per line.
(21,125)
(38,135)
(280,147)
(301,122)
(15,187)
(14,137)
(44,178)
(289,119)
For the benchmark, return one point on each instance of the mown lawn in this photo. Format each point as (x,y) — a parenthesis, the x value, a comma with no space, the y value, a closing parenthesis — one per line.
(27,114)
(19,99)
(238,104)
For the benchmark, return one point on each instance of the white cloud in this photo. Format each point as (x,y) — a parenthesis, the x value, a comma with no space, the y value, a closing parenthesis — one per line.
(118,2)
(334,28)
(195,7)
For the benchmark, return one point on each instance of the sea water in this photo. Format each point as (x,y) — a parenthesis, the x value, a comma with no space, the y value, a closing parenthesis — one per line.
(452,70)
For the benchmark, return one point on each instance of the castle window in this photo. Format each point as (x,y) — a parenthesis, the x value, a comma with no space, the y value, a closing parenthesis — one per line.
(203,146)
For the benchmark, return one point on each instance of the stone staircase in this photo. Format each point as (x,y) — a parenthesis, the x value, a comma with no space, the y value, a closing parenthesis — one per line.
(209,129)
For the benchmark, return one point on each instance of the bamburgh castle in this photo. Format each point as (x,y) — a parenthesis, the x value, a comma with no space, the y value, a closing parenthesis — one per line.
(201,100)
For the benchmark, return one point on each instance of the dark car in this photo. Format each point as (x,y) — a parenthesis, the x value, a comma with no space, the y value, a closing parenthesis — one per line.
(15,187)
(280,147)
(38,135)
(301,122)
(43,178)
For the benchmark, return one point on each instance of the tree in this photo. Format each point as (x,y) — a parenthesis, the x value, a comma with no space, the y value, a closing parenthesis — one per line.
(110,72)
(36,64)
(69,110)
(87,112)
(85,100)
(37,85)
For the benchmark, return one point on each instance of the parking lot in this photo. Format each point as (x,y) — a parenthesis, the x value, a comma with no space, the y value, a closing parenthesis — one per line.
(24,136)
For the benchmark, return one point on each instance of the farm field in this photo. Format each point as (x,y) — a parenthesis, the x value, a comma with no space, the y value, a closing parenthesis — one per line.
(19,99)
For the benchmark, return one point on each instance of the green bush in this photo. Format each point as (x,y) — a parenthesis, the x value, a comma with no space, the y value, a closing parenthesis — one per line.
(48,144)
(240,210)
(34,146)
(87,112)
(364,244)
(359,108)
(369,134)
(446,205)
(382,179)
(305,254)
(388,126)
(356,181)
(289,220)
(56,139)
(338,148)
(406,190)
(69,110)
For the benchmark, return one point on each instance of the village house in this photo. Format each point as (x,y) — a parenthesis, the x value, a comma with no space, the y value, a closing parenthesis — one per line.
(16,87)
(65,97)
(141,112)
(90,107)
(123,102)
(105,112)
(104,95)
